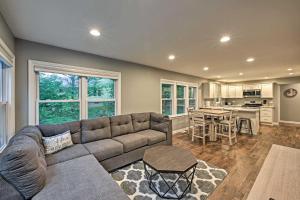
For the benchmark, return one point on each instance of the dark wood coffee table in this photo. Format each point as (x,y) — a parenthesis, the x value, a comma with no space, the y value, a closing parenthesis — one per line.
(164,160)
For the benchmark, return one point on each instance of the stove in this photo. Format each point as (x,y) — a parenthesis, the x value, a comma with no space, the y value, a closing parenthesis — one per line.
(252,104)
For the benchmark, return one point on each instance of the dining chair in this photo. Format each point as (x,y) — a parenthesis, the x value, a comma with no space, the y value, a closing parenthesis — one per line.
(203,126)
(190,124)
(228,127)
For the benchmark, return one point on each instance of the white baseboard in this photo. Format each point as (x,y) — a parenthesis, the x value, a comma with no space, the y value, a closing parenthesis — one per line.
(289,122)
(180,130)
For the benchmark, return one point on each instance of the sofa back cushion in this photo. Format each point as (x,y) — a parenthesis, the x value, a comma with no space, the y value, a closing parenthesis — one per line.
(140,121)
(95,129)
(23,166)
(121,125)
(34,133)
(159,122)
(51,130)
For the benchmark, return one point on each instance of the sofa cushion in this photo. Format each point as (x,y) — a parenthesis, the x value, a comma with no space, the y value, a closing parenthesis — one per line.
(66,154)
(120,125)
(95,129)
(104,149)
(81,179)
(140,121)
(34,133)
(51,130)
(153,136)
(132,141)
(159,122)
(23,166)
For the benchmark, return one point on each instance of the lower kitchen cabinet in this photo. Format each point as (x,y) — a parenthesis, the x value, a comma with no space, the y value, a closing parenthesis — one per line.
(267,115)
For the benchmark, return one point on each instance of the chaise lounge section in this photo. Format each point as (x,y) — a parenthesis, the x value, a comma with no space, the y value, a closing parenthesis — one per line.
(74,172)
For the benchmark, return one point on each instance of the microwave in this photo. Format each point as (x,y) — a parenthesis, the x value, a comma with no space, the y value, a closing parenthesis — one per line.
(252,93)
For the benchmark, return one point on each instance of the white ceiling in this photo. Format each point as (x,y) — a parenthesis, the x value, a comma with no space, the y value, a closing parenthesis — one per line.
(147,31)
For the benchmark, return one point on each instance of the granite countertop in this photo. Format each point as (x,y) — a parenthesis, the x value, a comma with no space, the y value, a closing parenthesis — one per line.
(244,109)
(237,108)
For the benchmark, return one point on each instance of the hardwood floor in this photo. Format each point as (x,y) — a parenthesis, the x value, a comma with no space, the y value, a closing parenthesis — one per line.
(243,160)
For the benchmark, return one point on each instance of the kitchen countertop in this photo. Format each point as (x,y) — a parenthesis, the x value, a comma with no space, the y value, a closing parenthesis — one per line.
(237,108)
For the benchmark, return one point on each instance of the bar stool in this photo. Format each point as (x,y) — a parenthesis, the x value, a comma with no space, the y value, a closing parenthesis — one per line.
(190,110)
(199,121)
(247,123)
(227,127)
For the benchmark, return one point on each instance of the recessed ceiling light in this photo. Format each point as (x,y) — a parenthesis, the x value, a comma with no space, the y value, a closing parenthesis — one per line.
(291,73)
(205,68)
(241,73)
(225,38)
(290,69)
(95,32)
(171,57)
(218,76)
(250,59)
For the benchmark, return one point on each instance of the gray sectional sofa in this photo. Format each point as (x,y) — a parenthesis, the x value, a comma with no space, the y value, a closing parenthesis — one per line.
(80,171)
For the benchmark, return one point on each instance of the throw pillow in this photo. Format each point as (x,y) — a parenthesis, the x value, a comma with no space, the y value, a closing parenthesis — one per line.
(57,142)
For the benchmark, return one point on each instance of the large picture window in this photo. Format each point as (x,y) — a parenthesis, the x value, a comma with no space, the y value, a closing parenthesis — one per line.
(180,99)
(6,95)
(59,100)
(192,97)
(167,99)
(176,97)
(101,97)
(67,93)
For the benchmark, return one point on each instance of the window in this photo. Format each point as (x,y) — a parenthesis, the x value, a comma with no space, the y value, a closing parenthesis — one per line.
(167,98)
(176,97)
(180,99)
(192,97)
(4,103)
(68,93)
(2,108)
(101,97)
(7,120)
(58,98)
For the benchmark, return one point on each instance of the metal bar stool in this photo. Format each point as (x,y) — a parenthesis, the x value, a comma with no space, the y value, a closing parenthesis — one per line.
(247,122)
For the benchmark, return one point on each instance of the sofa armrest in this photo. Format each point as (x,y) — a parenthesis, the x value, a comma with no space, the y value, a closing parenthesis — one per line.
(163,124)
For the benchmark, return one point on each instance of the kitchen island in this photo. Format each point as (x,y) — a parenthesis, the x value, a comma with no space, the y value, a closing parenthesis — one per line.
(245,112)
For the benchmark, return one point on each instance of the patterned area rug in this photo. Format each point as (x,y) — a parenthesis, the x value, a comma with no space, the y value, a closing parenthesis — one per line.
(133,181)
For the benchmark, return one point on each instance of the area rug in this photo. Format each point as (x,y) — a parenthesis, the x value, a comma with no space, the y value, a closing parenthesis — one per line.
(133,181)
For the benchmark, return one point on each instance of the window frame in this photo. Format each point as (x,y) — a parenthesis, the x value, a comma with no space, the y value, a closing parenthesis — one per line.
(39,66)
(174,99)
(8,87)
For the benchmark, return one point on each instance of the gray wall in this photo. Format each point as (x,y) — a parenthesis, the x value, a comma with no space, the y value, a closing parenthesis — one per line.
(140,84)
(290,107)
(6,35)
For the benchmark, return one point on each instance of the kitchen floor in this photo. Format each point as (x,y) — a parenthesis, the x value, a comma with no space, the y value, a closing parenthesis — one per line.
(243,160)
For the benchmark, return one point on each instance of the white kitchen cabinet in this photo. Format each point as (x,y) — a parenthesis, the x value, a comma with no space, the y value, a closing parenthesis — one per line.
(267,90)
(235,91)
(252,87)
(231,91)
(239,91)
(224,91)
(212,90)
(266,115)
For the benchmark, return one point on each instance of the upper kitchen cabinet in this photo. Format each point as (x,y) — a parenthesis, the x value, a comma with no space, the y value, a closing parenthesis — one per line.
(211,90)
(267,90)
(238,91)
(252,87)
(235,91)
(224,91)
